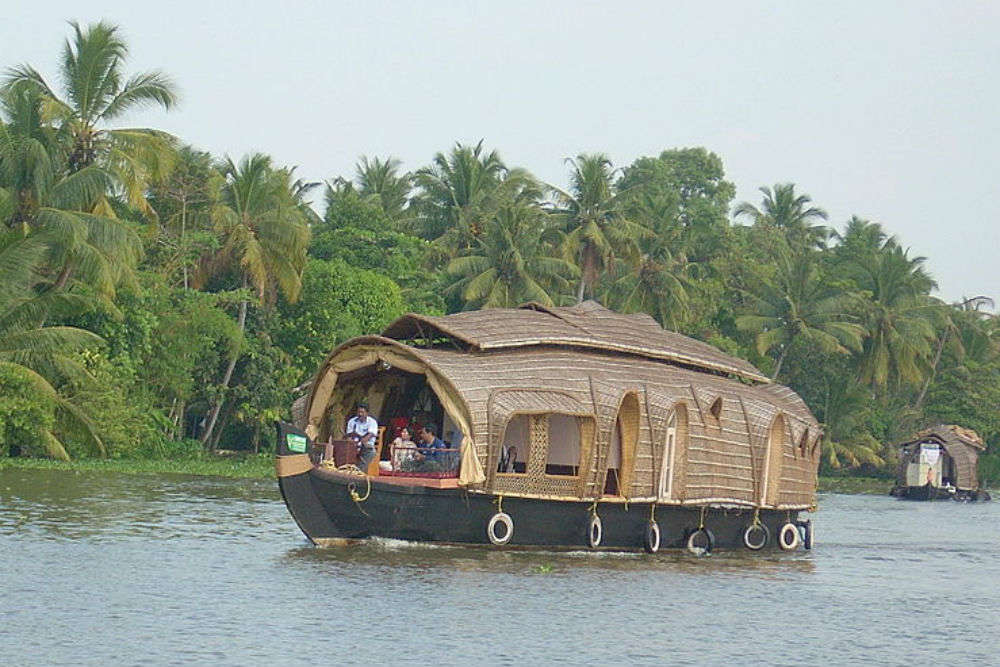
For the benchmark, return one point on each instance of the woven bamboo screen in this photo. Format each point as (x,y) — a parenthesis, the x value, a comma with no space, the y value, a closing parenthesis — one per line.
(628,426)
(797,468)
(659,413)
(535,480)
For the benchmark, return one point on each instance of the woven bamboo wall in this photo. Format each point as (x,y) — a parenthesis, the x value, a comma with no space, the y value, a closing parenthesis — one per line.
(652,452)
(719,460)
(797,480)
(629,424)
(724,455)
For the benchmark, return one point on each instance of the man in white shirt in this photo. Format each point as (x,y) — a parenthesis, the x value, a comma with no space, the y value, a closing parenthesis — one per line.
(363,429)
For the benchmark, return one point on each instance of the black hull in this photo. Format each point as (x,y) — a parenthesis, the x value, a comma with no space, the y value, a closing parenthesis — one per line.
(928,492)
(324,509)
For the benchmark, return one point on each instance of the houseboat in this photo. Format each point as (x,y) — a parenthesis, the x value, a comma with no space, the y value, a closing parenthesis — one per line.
(939,463)
(566,427)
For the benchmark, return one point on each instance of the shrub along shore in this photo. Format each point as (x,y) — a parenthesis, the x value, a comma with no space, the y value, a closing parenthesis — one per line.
(241,466)
(261,466)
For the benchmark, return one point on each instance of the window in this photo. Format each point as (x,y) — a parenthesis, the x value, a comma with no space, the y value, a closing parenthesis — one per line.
(564,445)
(544,443)
(716,408)
(804,442)
(516,447)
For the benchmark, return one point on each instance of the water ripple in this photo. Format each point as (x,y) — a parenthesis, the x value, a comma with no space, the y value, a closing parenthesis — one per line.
(127,570)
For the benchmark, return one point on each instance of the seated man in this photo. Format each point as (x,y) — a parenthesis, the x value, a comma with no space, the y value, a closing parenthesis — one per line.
(428,458)
(363,429)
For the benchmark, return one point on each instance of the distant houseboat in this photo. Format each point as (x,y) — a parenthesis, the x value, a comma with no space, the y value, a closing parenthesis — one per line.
(569,427)
(940,463)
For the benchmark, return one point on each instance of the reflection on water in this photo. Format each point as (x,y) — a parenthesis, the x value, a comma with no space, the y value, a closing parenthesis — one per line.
(397,554)
(118,569)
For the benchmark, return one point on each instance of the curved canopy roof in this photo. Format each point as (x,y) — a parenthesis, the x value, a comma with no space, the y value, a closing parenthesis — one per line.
(949,434)
(586,325)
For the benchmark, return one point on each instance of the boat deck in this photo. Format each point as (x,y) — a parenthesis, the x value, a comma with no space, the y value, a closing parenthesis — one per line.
(394,480)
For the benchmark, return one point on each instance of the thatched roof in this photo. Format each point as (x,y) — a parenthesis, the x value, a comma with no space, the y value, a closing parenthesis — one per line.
(587,325)
(950,434)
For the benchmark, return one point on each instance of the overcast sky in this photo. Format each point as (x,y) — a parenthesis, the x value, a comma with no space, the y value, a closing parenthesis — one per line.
(885,110)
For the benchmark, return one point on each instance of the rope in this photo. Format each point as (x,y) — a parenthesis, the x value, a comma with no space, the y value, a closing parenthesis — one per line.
(354,491)
(593,508)
(652,513)
(756,517)
(499,503)
(356,497)
(701,523)
(347,468)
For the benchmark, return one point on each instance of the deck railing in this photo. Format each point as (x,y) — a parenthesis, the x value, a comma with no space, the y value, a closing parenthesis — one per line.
(413,461)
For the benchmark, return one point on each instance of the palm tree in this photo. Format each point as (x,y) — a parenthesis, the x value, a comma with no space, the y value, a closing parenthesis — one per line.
(963,329)
(860,238)
(380,178)
(511,263)
(847,440)
(899,317)
(97,92)
(42,196)
(595,228)
(657,283)
(461,191)
(43,357)
(184,201)
(265,235)
(783,210)
(798,303)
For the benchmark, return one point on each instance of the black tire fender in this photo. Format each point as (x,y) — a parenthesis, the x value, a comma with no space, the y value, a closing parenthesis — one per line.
(700,541)
(651,538)
(806,532)
(756,536)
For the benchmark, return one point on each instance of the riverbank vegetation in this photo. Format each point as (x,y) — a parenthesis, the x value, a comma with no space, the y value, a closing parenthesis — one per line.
(237,466)
(156,299)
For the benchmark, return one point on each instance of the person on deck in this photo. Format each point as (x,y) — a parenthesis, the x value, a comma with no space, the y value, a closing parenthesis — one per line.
(431,457)
(363,429)
(403,449)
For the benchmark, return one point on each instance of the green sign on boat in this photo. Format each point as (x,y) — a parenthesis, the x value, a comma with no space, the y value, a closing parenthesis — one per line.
(296,442)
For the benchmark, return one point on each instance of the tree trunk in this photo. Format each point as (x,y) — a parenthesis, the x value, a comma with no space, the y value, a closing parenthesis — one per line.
(579,290)
(179,426)
(214,416)
(256,438)
(183,251)
(933,373)
(172,416)
(63,277)
(781,360)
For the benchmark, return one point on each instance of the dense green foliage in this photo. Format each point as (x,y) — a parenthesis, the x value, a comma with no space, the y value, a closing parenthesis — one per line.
(157,301)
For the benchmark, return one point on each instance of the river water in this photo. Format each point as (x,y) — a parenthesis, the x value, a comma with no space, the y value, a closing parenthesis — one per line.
(108,569)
